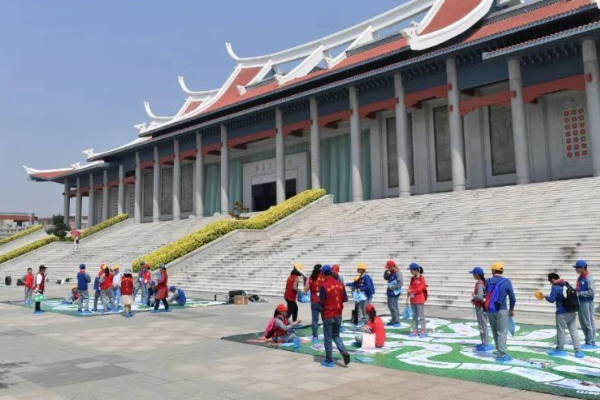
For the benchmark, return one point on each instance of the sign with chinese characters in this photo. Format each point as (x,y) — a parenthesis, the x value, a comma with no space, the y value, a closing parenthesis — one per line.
(575,133)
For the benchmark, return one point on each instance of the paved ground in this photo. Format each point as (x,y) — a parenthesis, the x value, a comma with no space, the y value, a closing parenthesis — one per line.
(179,356)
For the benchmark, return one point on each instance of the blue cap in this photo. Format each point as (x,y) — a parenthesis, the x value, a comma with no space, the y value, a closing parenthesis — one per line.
(477,271)
(163,266)
(81,266)
(414,266)
(326,269)
(580,264)
(152,282)
(172,288)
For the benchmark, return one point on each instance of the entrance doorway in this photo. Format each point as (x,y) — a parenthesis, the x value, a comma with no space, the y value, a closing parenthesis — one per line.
(264,195)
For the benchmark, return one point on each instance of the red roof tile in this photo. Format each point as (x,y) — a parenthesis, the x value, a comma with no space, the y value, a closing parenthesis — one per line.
(450,12)
(191,107)
(232,94)
(49,174)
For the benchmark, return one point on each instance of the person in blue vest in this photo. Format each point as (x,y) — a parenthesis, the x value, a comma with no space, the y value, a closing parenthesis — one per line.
(393,276)
(83,280)
(499,320)
(586,291)
(177,295)
(363,284)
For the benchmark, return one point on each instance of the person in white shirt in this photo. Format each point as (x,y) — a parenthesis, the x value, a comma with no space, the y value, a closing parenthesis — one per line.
(117,285)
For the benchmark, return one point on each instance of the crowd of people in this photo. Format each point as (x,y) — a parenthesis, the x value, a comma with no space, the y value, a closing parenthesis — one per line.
(116,291)
(494,301)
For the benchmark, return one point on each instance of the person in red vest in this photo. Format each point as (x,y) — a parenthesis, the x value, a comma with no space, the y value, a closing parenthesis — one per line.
(162,290)
(373,326)
(314,284)
(333,296)
(127,293)
(417,296)
(28,281)
(294,284)
(283,331)
(106,289)
(38,288)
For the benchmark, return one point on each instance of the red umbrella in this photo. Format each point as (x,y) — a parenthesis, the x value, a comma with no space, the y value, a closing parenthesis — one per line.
(75,233)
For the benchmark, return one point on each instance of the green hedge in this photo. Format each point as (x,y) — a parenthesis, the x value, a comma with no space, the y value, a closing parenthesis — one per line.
(19,235)
(101,226)
(27,248)
(217,229)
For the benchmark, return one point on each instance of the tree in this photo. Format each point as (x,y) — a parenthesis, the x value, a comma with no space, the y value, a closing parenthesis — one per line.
(59,227)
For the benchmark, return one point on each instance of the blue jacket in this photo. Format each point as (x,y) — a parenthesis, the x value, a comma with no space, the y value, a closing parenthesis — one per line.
(97,283)
(181,299)
(82,280)
(586,288)
(556,296)
(506,290)
(364,283)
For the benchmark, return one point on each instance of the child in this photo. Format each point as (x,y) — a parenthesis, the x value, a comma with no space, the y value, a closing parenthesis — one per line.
(478,300)
(73,296)
(28,281)
(373,326)
(284,331)
(564,318)
(586,289)
(417,295)
(127,293)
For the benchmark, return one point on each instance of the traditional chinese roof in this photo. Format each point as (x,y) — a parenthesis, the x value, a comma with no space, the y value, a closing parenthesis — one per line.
(51,174)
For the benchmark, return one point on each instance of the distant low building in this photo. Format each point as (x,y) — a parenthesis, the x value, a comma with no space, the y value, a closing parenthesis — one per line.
(13,222)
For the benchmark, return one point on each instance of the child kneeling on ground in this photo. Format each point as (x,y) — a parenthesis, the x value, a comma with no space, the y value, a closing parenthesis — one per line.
(374,326)
(127,293)
(280,330)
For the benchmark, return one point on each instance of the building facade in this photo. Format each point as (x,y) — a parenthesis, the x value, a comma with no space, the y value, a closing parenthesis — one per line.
(479,93)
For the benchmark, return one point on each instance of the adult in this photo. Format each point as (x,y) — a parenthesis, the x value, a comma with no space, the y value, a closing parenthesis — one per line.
(314,284)
(106,289)
(126,292)
(117,276)
(161,290)
(177,296)
(565,319)
(478,301)
(284,330)
(586,291)
(38,288)
(333,296)
(83,280)
(28,282)
(500,319)
(293,285)
(374,326)
(393,276)
(336,274)
(417,296)
(363,289)
(141,284)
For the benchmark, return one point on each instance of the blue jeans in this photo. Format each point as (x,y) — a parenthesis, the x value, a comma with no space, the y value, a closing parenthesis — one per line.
(117,294)
(331,330)
(315,309)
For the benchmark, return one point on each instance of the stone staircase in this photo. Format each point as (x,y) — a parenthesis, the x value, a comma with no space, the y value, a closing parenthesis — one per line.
(534,229)
(25,240)
(119,244)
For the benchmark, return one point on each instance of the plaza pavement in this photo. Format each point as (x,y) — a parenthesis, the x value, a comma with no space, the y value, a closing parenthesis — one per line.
(180,356)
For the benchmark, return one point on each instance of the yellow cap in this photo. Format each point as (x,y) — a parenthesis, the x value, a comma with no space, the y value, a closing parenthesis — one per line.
(74,286)
(105,267)
(498,266)
(116,267)
(299,267)
(362,266)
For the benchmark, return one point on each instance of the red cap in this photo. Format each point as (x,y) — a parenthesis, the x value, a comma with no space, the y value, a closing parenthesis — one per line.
(336,268)
(369,308)
(390,264)
(281,308)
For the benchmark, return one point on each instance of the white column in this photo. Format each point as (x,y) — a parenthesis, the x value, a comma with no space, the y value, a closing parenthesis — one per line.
(176,181)
(105,196)
(66,202)
(279,157)
(91,205)
(456,130)
(224,171)
(401,138)
(592,96)
(121,192)
(315,145)
(355,171)
(517,107)
(199,178)
(156,187)
(78,204)
(138,190)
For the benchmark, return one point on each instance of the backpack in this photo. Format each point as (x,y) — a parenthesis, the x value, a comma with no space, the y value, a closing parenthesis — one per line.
(492,303)
(270,329)
(570,301)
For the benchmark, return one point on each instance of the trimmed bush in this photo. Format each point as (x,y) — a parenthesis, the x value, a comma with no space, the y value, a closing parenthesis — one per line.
(217,229)
(101,226)
(19,235)
(27,248)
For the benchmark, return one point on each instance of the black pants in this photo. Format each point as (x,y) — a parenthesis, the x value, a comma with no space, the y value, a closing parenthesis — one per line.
(38,306)
(292,310)
(165,303)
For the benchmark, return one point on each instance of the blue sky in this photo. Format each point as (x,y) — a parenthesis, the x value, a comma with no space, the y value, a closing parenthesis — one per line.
(74,73)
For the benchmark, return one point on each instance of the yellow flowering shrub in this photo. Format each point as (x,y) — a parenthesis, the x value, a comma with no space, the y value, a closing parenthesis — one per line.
(27,248)
(217,229)
(19,235)
(100,227)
